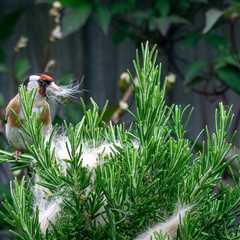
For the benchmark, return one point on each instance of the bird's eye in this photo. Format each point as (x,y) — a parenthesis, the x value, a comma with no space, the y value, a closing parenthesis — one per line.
(44,83)
(48,82)
(41,83)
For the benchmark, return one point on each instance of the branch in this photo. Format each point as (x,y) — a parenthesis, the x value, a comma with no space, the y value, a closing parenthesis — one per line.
(123,105)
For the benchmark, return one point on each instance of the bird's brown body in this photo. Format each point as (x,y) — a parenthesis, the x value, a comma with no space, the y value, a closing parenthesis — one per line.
(13,111)
(15,116)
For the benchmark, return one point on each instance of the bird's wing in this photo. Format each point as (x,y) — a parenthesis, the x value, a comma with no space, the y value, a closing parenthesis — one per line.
(12,112)
(45,114)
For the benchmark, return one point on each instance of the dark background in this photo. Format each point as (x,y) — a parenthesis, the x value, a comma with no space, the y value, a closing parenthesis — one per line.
(198,42)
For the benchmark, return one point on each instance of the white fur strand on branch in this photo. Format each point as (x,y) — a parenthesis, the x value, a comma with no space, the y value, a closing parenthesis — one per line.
(48,207)
(167,228)
(49,214)
(90,155)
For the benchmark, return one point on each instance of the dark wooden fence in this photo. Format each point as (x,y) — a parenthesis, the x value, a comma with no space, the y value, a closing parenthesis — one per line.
(92,54)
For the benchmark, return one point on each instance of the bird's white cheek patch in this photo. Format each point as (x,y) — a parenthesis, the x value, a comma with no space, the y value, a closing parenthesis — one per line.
(34,78)
(32,84)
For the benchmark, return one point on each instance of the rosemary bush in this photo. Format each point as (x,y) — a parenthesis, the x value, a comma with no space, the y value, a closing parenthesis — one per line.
(149,172)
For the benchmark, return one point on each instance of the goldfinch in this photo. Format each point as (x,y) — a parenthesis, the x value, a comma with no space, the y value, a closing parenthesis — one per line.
(43,83)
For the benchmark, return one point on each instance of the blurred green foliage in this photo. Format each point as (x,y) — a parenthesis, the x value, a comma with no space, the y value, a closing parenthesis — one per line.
(171,25)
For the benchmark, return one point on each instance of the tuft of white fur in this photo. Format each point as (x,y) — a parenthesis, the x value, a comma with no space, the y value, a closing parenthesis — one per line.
(90,155)
(67,91)
(168,228)
(48,207)
(49,214)
(60,150)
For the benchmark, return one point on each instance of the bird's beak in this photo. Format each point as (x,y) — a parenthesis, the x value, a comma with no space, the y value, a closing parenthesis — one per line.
(53,87)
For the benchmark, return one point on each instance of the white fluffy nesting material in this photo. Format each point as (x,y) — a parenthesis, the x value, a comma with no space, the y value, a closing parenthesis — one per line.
(168,228)
(60,149)
(90,155)
(49,214)
(48,208)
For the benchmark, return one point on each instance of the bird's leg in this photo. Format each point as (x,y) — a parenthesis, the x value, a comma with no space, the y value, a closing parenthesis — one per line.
(18,154)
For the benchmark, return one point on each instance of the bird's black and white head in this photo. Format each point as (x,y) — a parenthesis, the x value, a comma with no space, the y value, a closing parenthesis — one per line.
(42,83)
(47,87)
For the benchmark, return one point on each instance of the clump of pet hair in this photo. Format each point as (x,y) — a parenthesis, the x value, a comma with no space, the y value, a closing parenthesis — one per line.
(169,227)
(47,205)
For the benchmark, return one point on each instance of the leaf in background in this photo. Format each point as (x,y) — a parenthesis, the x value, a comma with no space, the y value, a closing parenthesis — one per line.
(164,23)
(174,19)
(104,17)
(163,7)
(216,41)
(182,5)
(119,36)
(194,71)
(226,59)
(190,39)
(233,11)
(140,16)
(122,7)
(21,67)
(230,75)
(212,16)
(8,22)
(73,19)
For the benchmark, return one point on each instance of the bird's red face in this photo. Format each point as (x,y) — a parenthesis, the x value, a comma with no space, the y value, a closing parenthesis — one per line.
(44,83)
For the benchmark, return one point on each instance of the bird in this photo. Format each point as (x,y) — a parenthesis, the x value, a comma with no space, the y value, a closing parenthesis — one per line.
(43,83)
